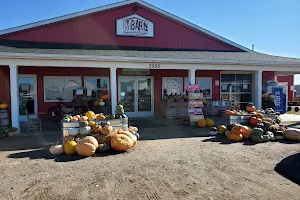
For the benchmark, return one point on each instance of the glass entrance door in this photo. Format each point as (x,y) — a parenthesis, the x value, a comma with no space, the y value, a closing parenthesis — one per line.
(27,95)
(136,95)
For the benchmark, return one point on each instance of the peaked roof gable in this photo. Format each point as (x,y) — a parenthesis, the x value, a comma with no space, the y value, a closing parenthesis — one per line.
(119,4)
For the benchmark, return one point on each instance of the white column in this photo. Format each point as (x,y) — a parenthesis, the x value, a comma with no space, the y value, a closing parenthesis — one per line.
(113,89)
(258,89)
(14,96)
(192,76)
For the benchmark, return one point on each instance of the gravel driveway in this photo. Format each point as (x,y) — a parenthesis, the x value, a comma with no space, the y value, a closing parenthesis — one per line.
(179,168)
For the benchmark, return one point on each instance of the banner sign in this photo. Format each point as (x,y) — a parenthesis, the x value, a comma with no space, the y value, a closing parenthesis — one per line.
(279,99)
(195,95)
(135,25)
(195,111)
(193,87)
(195,118)
(194,104)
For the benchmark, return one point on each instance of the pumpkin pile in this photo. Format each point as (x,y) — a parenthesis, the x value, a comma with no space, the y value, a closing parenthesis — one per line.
(207,122)
(250,109)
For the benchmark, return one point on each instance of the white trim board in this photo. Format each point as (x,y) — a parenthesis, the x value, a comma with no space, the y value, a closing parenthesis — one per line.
(119,4)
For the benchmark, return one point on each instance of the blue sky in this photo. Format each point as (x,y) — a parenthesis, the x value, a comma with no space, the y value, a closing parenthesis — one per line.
(273,26)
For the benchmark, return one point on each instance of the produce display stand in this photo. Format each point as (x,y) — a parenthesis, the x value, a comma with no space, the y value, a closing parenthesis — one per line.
(121,123)
(195,110)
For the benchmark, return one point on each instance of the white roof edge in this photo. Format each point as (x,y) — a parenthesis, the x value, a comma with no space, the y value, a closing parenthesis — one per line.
(5,55)
(118,4)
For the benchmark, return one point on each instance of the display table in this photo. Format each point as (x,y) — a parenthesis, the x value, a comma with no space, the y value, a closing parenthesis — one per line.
(244,119)
(115,123)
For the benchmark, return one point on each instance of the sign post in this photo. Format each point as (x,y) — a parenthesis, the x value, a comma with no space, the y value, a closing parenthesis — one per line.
(195,103)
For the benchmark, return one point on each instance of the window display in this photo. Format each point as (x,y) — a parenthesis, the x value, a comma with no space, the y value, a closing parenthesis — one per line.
(205,85)
(60,87)
(94,86)
(172,86)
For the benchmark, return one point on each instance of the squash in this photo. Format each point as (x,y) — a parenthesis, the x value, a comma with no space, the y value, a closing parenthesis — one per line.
(201,123)
(234,136)
(100,117)
(229,112)
(92,118)
(237,129)
(221,128)
(292,134)
(89,114)
(246,132)
(254,121)
(3,105)
(105,96)
(70,148)
(96,128)
(271,136)
(83,123)
(87,146)
(257,131)
(137,135)
(103,139)
(268,120)
(73,131)
(101,103)
(83,118)
(74,119)
(85,130)
(259,115)
(122,142)
(56,149)
(106,130)
(103,147)
(209,122)
(68,138)
(91,123)
(274,127)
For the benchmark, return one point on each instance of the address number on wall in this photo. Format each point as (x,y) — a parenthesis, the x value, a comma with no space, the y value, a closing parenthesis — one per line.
(154,66)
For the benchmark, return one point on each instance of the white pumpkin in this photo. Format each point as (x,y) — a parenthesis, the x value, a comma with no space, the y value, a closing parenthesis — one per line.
(101,103)
(73,131)
(85,130)
(56,149)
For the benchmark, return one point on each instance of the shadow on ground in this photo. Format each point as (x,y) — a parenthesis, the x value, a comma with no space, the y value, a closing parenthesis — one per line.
(290,168)
(223,140)
(44,154)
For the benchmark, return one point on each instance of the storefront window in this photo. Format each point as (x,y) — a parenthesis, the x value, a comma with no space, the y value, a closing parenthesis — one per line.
(171,85)
(205,85)
(94,85)
(60,87)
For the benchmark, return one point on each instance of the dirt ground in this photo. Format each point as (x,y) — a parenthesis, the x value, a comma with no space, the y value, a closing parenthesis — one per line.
(178,168)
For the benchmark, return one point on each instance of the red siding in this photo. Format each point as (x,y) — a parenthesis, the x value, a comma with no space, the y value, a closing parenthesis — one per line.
(4,85)
(99,28)
(268,76)
(290,81)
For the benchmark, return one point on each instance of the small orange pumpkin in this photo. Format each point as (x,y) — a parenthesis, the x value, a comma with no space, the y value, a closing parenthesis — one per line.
(229,112)
(255,120)
(246,131)
(250,108)
(201,123)
(260,116)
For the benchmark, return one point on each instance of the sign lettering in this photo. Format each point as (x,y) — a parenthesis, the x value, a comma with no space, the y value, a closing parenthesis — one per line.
(135,25)
(154,66)
(193,87)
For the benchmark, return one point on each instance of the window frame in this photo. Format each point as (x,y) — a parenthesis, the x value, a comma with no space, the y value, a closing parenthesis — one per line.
(97,77)
(61,77)
(207,78)
(162,84)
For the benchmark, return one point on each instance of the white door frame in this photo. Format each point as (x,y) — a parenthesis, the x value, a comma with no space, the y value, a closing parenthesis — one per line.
(136,113)
(23,118)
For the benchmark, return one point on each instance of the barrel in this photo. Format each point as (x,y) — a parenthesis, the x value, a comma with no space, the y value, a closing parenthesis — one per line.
(4,117)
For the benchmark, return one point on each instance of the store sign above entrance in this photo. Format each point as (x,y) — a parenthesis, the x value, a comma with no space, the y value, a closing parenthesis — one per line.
(135,25)
(136,72)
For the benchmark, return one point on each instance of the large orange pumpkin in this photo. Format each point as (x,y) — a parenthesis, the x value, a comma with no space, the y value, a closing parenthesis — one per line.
(121,142)
(201,123)
(87,146)
(255,120)
(233,136)
(246,131)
